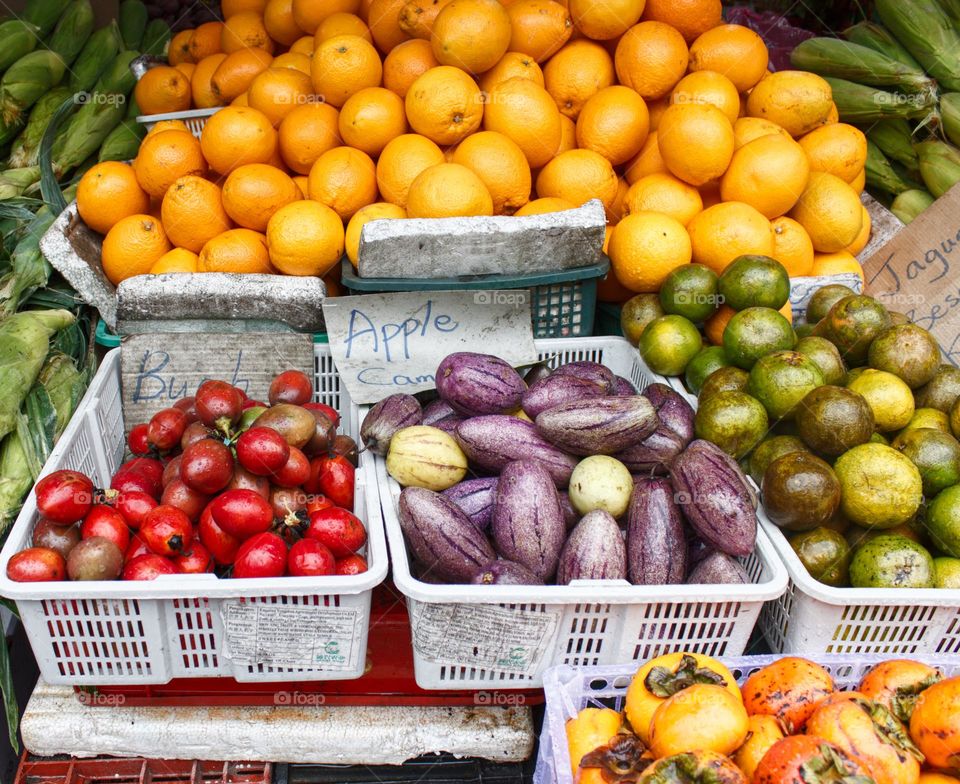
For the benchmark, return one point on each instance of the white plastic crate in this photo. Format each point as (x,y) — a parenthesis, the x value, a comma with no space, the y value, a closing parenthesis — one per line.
(569,690)
(475,637)
(195,119)
(116,632)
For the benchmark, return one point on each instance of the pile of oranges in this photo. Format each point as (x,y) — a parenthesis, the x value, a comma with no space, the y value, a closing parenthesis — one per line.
(344,111)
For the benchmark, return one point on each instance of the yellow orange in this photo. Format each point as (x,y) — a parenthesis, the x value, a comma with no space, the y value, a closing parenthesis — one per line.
(647,161)
(539,27)
(303,45)
(448,190)
(236,73)
(230,8)
(417,17)
(543,206)
(708,87)
(836,263)
(237,250)
(201,82)
(305,238)
(306,133)
(192,213)
(303,183)
(724,231)
(109,192)
(656,109)
(665,194)
(830,210)
(568,135)
(445,105)
(792,246)
(245,31)
(838,149)
(308,14)
(578,176)
(859,182)
(645,247)
(471,34)
(279,22)
(176,260)
(769,174)
(714,326)
(615,211)
(651,58)
(296,60)
(406,63)
(235,136)
(613,122)
(205,40)
(253,193)
(342,24)
(401,161)
(165,157)
(604,20)
(187,70)
(132,246)
(732,50)
(576,73)
(179,50)
(690,17)
(501,166)
(168,125)
(512,64)
(746,129)
(278,91)
(371,118)
(695,141)
(863,238)
(383,19)
(797,100)
(525,112)
(345,180)
(344,65)
(161,90)
(380,210)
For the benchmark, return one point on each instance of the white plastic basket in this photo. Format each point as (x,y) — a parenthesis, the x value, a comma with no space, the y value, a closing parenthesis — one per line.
(195,119)
(569,690)
(193,626)
(472,636)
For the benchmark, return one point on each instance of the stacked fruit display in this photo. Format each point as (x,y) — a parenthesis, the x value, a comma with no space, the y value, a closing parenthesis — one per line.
(558,468)
(218,482)
(686,720)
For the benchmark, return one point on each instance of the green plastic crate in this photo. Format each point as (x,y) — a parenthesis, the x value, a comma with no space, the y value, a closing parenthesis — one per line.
(608,320)
(105,336)
(562,304)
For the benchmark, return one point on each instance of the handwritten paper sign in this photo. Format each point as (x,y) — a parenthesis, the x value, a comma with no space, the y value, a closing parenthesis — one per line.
(916,272)
(387,343)
(157,370)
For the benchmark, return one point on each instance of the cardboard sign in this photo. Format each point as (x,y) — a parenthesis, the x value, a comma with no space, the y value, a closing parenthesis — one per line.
(912,273)
(158,370)
(388,343)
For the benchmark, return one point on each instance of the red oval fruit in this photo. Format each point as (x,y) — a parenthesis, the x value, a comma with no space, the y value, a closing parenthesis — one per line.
(196,431)
(150,467)
(242,513)
(352,564)
(64,497)
(263,555)
(244,480)
(251,403)
(141,473)
(188,406)
(166,429)
(180,495)
(137,440)
(291,386)
(62,538)
(134,506)
(262,451)
(105,521)
(346,447)
(171,470)
(334,478)
(317,503)
(340,530)
(37,565)
(324,434)
(137,547)
(295,471)
(207,466)
(331,412)
(197,561)
(148,567)
(287,501)
(218,404)
(310,558)
(167,530)
(222,546)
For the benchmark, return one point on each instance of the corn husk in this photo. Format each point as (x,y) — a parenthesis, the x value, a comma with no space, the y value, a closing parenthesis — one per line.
(123,142)
(17,182)
(895,140)
(29,270)
(928,34)
(880,39)
(952,9)
(17,38)
(117,78)
(99,52)
(72,31)
(881,175)
(950,116)
(857,63)
(87,130)
(156,38)
(26,146)
(858,103)
(939,166)
(44,14)
(26,81)
(909,204)
(133,22)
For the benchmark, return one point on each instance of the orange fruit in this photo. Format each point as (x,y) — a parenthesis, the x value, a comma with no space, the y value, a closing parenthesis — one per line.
(165,157)
(168,125)
(241,100)
(835,264)
(710,193)
(305,238)
(236,73)
(303,45)
(179,50)
(109,192)
(831,212)
(839,149)
(308,14)
(448,190)
(696,142)
(647,161)
(371,118)
(230,8)
(253,193)
(279,22)
(401,161)
(406,63)
(769,173)
(345,180)
(732,50)
(342,24)
(792,246)
(665,194)
(235,136)
(512,64)
(577,72)
(578,176)
(245,31)
(604,20)
(380,210)
(613,122)
(205,40)
(714,326)
(656,109)
(859,182)
(708,87)
(746,129)
(651,58)
(306,133)
(645,247)
(525,113)
(543,206)
(691,17)
(303,184)
(417,17)
(568,135)
(384,21)
(192,213)
(278,91)
(539,28)
(132,246)
(615,211)
(201,82)
(296,61)
(187,70)
(444,104)
(176,260)
(797,100)
(724,231)
(237,250)
(344,65)
(501,166)
(471,34)
(162,89)
(863,238)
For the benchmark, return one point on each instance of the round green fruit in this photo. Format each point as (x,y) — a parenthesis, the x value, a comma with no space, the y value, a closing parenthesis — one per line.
(891,562)
(756,332)
(733,421)
(668,343)
(755,281)
(690,291)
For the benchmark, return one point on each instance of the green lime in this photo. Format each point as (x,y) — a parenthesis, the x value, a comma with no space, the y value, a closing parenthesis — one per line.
(781,380)
(824,298)
(946,572)
(668,343)
(825,554)
(726,379)
(707,360)
(754,332)
(769,450)
(891,562)
(943,521)
(733,421)
(636,313)
(755,281)
(880,487)
(935,453)
(690,291)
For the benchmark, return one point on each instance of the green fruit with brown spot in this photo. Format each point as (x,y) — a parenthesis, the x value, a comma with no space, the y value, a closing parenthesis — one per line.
(825,554)
(825,298)
(907,351)
(704,363)
(941,391)
(833,419)
(754,333)
(936,454)
(636,313)
(825,356)
(733,421)
(769,450)
(781,380)
(852,324)
(726,379)
(800,491)
(891,562)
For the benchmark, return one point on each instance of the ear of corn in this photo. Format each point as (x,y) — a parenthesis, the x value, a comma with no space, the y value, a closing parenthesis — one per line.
(44,14)
(26,147)
(133,21)
(87,130)
(926,31)
(859,103)
(909,204)
(99,51)
(156,38)
(118,78)
(16,182)
(952,9)
(17,38)
(26,81)
(72,30)
(123,142)
(29,270)
(878,38)
(950,116)
(895,140)
(881,175)
(846,60)
(939,166)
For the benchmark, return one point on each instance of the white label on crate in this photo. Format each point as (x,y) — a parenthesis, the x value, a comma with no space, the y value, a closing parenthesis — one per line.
(484,635)
(388,343)
(292,636)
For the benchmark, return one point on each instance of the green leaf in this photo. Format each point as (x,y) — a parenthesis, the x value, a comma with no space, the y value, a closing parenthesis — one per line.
(10,706)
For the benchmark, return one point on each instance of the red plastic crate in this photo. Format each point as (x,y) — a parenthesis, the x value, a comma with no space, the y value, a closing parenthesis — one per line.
(136,770)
